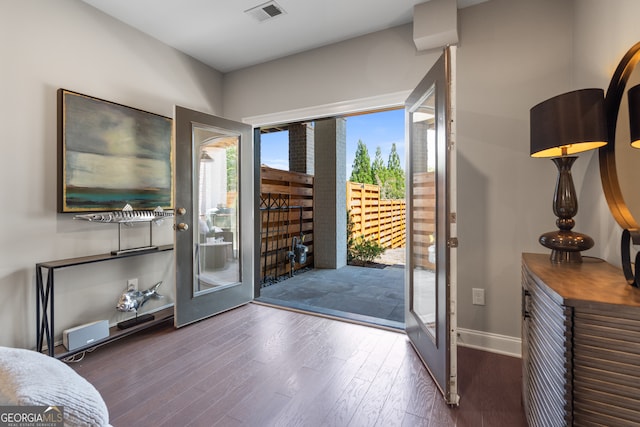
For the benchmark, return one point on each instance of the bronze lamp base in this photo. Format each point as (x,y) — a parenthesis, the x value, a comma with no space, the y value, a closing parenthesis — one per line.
(566,245)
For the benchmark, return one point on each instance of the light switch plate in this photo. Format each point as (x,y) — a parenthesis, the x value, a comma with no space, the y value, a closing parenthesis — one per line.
(478,296)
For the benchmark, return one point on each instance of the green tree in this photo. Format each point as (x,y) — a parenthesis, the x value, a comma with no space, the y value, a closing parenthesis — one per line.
(361,169)
(394,163)
(394,183)
(378,169)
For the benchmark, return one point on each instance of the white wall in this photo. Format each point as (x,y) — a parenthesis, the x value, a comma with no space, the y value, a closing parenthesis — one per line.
(45,45)
(512,55)
(385,62)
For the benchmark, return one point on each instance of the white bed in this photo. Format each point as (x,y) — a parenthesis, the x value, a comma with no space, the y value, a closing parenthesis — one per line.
(30,378)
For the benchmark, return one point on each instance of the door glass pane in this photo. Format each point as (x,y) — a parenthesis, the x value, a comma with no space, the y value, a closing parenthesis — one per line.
(423,205)
(215,201)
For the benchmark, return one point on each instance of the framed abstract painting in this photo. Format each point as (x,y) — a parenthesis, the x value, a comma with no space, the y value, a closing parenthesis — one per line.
(110,155)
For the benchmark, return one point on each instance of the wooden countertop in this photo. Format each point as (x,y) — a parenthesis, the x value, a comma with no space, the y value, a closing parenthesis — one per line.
(592,281)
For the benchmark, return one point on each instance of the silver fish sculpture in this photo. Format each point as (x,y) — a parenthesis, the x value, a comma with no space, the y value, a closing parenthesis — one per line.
(128,216)
(132,300)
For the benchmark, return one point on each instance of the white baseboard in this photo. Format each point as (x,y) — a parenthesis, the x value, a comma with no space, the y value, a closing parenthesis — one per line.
(495,343)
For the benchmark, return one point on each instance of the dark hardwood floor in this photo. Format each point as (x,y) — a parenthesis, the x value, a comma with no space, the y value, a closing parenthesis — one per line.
(263,366)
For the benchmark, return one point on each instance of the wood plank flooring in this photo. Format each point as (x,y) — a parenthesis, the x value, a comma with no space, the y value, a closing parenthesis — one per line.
(263,366)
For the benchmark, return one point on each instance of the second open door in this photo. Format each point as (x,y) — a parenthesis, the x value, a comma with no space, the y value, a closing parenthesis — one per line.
(430,288)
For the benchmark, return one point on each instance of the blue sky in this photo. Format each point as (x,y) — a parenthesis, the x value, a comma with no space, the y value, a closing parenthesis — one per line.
(376,129)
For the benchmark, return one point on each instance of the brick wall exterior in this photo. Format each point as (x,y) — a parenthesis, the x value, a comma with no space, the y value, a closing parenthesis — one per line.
(330,217)
(301,148)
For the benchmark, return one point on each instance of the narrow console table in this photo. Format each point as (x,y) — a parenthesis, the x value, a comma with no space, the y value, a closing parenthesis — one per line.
(45,294)
(580,344)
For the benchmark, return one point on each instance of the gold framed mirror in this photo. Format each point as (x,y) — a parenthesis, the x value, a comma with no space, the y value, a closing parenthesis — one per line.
(619,161)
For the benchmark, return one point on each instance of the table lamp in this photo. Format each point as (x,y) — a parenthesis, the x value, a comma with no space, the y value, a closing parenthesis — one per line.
(561,126)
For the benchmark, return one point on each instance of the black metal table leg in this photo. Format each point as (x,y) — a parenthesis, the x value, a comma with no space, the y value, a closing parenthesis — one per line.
(44,310)
(38,315)
(49,294)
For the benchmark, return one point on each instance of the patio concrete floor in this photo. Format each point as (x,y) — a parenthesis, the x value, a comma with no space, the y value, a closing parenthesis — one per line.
(364,294)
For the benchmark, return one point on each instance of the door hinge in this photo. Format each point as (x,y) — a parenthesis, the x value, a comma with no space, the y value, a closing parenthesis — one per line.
(452,242)
(453,217)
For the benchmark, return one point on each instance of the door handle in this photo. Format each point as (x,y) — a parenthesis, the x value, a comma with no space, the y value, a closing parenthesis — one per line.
(182,226)
(181,211)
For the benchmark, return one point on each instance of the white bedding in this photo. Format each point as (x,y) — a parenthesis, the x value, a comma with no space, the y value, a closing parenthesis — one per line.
(30,378)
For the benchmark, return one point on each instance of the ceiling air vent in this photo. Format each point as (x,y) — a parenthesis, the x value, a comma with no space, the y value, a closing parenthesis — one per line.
(266,11)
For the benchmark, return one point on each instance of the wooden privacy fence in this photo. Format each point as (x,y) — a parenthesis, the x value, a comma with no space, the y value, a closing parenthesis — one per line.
(286,209)
(424,218)
(381,220)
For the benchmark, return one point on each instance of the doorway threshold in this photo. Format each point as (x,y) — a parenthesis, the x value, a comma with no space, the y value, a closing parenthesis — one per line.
(331,313)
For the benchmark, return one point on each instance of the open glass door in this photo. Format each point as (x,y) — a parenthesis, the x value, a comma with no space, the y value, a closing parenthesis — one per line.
(430,269)
(214,203)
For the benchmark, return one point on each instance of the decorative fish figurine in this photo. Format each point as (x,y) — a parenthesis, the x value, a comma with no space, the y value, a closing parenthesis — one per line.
(132,300)
(127,216)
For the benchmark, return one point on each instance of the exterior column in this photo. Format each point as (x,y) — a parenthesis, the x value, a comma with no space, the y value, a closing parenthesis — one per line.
(330,216)
(301,151)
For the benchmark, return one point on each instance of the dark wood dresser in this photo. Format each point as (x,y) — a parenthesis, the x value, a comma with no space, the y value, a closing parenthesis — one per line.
(580,344)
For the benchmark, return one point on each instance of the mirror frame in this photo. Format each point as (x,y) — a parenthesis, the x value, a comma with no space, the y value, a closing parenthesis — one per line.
(608,172)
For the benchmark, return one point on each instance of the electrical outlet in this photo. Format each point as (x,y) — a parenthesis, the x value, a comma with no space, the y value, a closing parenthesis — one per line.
(478,296)
(132,283)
